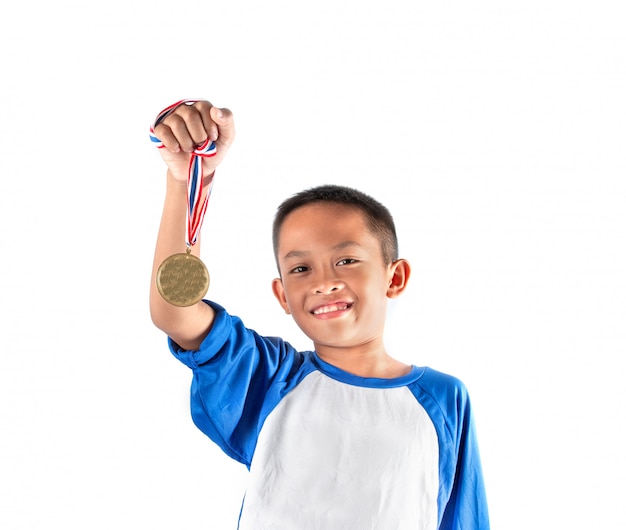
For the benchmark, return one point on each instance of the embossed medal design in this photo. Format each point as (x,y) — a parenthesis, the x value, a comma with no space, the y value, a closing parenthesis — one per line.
(182,279)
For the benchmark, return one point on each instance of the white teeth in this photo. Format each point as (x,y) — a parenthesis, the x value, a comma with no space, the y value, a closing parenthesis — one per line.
(330,309)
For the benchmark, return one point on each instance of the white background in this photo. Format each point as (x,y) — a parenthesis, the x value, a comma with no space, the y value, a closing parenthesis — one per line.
(493,130)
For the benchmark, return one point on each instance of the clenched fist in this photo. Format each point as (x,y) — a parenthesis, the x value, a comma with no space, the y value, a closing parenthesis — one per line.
(189,126)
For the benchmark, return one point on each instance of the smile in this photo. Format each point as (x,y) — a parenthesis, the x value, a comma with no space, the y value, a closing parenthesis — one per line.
(331,308)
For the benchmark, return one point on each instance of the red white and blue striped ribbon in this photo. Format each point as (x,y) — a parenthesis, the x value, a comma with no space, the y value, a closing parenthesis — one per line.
(195,207)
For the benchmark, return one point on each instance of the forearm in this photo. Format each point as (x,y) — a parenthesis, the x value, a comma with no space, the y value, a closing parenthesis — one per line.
(186,325)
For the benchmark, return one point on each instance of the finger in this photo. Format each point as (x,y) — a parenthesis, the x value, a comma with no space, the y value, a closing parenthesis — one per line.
(225,123)
(178,127)
(193,122)
(204,109)
(165,134)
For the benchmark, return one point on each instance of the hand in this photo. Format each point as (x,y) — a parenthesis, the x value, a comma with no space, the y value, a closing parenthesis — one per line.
(189,126)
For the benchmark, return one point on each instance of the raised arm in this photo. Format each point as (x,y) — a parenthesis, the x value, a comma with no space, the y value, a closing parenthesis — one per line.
(180,132)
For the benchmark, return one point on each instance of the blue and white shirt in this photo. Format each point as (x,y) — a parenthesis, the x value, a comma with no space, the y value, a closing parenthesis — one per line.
(329,450)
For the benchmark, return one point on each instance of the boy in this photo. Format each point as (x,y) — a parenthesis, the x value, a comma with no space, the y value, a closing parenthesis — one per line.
(345,436)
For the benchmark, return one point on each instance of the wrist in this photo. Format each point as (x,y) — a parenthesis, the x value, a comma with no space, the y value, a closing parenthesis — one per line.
(206,181)
(182,183)
(175,184)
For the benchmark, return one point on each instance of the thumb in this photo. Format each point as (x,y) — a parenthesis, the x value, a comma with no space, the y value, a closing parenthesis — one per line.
(223,118)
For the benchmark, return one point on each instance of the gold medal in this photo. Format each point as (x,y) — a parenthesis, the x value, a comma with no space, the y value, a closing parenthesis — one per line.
(182,279)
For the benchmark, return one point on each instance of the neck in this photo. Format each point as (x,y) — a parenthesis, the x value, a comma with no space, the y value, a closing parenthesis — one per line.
(371,362)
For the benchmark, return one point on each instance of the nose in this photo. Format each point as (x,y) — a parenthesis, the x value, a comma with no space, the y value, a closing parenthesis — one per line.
(325,282)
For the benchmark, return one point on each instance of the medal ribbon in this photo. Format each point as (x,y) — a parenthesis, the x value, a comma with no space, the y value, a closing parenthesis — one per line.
(196,208)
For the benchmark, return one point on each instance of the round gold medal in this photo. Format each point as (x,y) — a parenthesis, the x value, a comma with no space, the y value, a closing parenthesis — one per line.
(182,279)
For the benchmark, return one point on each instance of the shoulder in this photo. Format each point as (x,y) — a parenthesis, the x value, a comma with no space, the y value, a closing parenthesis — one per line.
(444,396)
(441,385)
(440,382)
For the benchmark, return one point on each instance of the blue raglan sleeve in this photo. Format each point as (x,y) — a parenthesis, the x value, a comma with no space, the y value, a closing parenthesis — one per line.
(462,497)
(233,371)
(466,508)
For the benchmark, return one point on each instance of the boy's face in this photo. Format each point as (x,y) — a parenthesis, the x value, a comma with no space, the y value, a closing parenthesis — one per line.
(334,281)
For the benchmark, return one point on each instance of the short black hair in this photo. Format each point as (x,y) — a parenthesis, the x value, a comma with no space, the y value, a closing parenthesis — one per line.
(378,218)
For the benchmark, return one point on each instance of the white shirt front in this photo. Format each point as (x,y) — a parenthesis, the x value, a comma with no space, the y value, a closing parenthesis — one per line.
(334,455)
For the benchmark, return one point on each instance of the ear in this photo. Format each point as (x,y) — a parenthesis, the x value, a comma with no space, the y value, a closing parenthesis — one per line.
(399,272)
(279,293)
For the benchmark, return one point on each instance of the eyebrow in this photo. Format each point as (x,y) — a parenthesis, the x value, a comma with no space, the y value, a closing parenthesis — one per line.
(303,253)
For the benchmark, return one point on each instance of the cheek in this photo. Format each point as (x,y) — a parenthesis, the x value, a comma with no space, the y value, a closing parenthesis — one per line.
(375,284)
(292,300)
(286,304)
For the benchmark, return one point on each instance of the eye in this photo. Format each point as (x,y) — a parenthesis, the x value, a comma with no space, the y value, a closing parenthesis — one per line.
(299,269)
(346,261)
